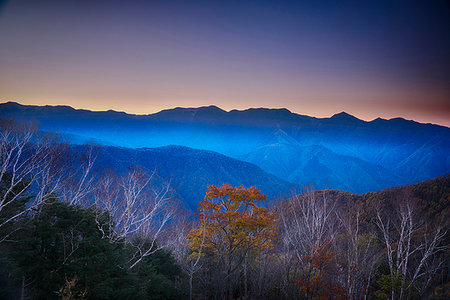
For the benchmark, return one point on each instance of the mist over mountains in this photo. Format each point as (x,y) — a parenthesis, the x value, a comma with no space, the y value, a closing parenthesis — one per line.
(341,152)
(190,171)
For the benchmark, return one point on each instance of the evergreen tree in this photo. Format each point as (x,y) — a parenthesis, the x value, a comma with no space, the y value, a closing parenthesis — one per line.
(62,244)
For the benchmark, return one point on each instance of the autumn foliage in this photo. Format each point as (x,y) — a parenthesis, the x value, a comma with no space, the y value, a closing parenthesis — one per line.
(231,221)
(233,229)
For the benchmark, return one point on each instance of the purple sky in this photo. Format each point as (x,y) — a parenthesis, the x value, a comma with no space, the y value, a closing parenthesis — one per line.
(370,59)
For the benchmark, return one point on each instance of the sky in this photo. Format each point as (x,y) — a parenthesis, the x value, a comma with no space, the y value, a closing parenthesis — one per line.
(368,58)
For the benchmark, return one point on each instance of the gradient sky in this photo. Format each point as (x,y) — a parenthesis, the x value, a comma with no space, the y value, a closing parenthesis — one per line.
(368,58)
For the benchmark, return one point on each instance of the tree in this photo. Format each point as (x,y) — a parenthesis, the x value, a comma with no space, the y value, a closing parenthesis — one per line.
(78,183)
(412,246)
(9,214)
(359,251)
(190,262)
(36,166)
(309,231)
(140,211)
(232,227)
(61,245)
(159,275)
(29,160)
(61,252)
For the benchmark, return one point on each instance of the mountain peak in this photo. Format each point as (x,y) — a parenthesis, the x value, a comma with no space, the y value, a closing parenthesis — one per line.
(346,117)
(11,103)
(264,110)
(211,108)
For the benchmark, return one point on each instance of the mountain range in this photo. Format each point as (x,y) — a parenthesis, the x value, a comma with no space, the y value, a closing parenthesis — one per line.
(190,171)
(275,148)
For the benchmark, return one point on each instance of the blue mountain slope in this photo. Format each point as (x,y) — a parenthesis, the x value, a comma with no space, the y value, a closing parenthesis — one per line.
(325,169)
(381,152)
(191,170)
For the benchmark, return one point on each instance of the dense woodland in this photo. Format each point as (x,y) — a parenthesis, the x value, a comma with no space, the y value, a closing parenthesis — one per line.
(69,230)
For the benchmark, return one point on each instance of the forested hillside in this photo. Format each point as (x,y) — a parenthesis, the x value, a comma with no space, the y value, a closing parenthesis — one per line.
(71,230)
(191,170)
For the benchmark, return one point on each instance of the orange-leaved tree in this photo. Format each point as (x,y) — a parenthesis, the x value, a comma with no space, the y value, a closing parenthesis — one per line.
(232,226)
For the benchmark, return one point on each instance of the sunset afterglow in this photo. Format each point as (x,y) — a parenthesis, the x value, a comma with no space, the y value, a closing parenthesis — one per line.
(378,59)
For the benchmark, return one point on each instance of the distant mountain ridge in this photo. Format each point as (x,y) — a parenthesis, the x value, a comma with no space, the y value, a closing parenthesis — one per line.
(340,152)
(317,164)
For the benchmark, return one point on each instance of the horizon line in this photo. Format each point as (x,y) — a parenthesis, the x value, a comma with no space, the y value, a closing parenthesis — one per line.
(216,106)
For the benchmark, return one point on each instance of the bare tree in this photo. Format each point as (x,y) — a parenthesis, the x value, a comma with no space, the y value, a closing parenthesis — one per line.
(79,181)
(29,160)
(190,261)
(309,221)
(360,253)
(411,244)
(285,266)
(309,226)
(140,211)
